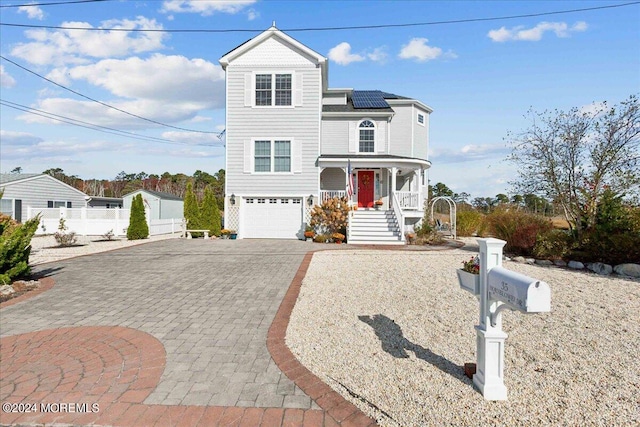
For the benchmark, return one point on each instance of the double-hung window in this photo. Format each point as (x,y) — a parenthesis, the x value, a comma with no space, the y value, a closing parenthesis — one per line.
(6,207)
(272,156)
(274,89)
(366,136)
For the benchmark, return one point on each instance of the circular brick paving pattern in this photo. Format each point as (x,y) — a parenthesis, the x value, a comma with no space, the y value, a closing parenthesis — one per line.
(80,365)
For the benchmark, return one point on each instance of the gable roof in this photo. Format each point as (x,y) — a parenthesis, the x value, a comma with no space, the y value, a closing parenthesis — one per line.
(11,177)
(14,178)
(159,194)
(228,57)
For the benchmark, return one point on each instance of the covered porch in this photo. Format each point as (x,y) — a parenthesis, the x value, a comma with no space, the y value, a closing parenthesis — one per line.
(379,181)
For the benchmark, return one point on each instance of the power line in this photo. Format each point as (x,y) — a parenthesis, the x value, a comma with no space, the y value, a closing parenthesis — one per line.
(356,27)
(92,126)
(103,103)
(57,3)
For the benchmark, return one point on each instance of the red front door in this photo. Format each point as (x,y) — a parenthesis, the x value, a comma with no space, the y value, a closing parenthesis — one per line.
(365,189)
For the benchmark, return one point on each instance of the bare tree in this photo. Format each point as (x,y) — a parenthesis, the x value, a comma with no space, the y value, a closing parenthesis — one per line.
(573,157)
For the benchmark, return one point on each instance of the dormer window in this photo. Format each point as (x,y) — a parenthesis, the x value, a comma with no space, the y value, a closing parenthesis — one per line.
(366,136)
(273,89)
(421,119)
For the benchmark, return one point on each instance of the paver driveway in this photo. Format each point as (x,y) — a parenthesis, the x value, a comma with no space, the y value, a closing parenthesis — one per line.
(208,303)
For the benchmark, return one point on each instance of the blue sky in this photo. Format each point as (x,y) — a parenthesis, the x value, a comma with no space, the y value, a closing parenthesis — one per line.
(479,77)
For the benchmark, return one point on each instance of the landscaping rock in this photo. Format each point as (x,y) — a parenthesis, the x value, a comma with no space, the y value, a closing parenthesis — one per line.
(544,262)
(575,265)
(600,268)
(6,290)
(518,259)
(560,263)
(628,270)
(530,261)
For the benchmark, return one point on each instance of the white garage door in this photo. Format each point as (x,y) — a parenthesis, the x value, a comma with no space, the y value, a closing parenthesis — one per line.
(272,218)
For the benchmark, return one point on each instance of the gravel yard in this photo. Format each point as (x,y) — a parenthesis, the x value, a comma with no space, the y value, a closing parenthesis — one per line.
(391,331)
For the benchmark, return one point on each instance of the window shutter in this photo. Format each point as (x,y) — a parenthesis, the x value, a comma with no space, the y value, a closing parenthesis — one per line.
(50,204)
(247,156)
(352,137)
(298,89)
(69,205)
(17,213)
(296,157)
(381,133)
(248,89)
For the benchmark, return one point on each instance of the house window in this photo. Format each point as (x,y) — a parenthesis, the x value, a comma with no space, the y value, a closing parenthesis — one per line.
(297,201)
(421,119)
(273,89)
(58,204)
(273,201)
(272,156)
(366,136)
(284,201)
(6,207)
(261,201)
(249,200)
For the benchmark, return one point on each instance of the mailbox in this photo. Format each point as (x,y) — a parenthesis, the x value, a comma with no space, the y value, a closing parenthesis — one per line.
(518,291)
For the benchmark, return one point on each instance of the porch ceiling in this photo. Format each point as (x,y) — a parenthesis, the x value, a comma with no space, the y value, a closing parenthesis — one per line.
(372,161)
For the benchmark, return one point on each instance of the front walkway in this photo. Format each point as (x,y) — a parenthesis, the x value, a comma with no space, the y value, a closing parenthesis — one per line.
(166,333)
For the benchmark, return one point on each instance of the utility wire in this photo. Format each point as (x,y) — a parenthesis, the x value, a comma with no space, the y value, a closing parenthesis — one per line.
(92,126)
(356,27)
(57,3)
(105,104)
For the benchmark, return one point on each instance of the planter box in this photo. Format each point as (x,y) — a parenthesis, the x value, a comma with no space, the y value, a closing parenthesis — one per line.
(469,282)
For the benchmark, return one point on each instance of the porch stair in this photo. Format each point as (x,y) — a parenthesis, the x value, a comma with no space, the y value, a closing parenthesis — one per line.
(371,227)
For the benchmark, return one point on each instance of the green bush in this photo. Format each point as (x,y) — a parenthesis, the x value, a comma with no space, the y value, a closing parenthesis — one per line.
(191,210)
(138,227)
(15,247)
(469,222)
(519,229)
(556,244)
(63,236)
(209,213)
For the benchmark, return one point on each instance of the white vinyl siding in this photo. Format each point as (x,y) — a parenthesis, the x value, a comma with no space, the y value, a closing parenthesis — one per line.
(36,192)
(298,124)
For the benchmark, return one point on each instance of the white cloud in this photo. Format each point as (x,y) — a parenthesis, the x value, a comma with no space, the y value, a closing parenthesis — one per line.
(419,50)
(33,12)
(145,87)
(205,7)
(252,14)
(193,138)
(341,54)
(379,54)
(520,33)
(5,78)
(18,138)
(200,119)
(593,109)
(75,46)
(469,153)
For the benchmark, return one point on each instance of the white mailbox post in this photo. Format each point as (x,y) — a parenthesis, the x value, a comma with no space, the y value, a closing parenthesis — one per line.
(500,289)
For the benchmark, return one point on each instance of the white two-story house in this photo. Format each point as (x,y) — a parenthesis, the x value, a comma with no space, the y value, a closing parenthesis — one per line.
(292,142)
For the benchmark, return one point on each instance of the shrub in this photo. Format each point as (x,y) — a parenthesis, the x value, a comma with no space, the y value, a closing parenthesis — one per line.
(321,238)
(427,235)
(209,213)
(138,227)
(556,244)
(469,222)
(190,209)
(15,247)
(332,216)
(519,229)
(63,236)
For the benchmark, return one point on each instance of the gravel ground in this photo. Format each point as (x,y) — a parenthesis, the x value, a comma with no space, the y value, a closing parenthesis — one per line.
(44,248)
(394,340)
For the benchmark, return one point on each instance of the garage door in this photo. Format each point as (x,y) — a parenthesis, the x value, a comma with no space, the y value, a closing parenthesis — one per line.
(272,218)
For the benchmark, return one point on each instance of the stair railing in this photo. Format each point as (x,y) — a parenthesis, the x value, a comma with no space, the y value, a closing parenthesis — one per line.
(397,210)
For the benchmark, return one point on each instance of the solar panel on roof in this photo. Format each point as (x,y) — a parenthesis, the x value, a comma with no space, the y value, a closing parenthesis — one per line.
(368,99)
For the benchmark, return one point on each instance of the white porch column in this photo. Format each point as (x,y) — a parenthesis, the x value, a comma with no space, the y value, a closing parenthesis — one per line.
(418,174)
(394,172)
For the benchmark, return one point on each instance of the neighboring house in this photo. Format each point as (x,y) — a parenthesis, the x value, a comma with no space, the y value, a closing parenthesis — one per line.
(292,142)
(37,191)
(162,205)
(105,202)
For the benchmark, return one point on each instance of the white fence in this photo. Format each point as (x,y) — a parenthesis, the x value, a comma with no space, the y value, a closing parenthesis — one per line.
(98,221)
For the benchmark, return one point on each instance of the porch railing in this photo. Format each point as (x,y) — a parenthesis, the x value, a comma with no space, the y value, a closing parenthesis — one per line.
(399,217)
(330,194)
(407,199)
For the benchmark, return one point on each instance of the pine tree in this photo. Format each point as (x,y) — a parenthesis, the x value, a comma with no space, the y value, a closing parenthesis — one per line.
(138,227)
(209,213)
(191,210)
